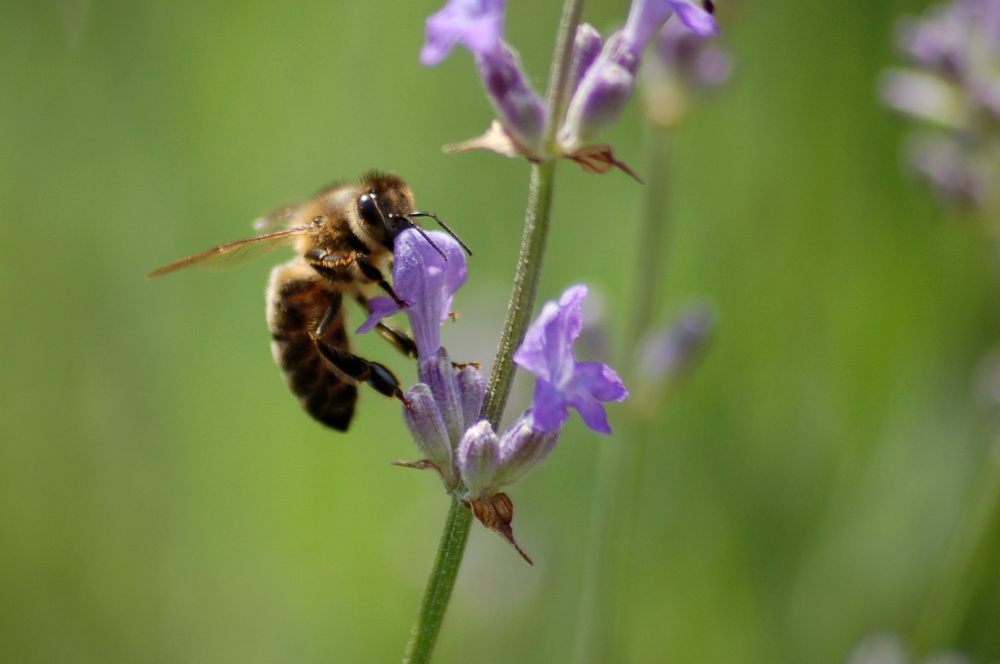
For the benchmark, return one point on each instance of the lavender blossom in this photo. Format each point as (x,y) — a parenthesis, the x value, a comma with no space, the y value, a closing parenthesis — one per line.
(602,78)
(607,85)
(487,462)
(951,90)
(447,399)
(681,66)
(441,409)
(547,351)
(478,25)
(427,281)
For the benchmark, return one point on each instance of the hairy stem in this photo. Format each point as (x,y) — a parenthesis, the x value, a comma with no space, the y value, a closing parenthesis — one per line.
(441,583)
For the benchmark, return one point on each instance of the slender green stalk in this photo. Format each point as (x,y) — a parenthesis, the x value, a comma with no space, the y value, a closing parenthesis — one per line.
(616,492)
(440,584)
(536,222)
(522,301)
(522,297)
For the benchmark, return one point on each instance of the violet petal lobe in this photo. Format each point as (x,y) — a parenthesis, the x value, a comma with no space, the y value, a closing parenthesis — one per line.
(563,382)
(599,381)
(476,24)
(550,406)
(427,281)
(547,349)
(381,307)
(696,18)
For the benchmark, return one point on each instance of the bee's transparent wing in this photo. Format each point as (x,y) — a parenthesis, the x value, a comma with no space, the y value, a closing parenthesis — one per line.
(233,253)
(276,218)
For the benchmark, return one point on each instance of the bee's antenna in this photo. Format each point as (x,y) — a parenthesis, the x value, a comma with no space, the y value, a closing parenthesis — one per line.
(445,227)
(428,238)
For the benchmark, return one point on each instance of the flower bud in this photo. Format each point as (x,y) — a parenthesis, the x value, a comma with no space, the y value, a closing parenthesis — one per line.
(438,373)
(478,460)
(423,419)
(586,48)
(517,104)
(523,446)
(471,392)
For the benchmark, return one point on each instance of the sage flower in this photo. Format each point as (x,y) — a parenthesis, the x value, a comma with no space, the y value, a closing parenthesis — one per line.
(602,77)
(547,351)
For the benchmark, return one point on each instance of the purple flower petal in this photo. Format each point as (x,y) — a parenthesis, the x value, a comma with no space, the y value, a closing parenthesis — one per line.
(549,406)
(424,279)
(592,413)
(476,24)
(563,382)
(381,307)
(599,381)
(700,21)
(547,349)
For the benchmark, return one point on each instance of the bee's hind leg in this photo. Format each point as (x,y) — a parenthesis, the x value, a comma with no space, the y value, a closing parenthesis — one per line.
(358,368)
(354,367)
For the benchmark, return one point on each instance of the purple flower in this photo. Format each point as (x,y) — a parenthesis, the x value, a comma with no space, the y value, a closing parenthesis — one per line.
(547,351)
(951,91)
(487,463)
(697,60)
(606,87)
(423,278)
(681,67)
(478,25)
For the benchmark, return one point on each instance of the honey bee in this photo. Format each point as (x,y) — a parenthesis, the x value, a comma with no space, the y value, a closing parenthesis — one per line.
(343,237)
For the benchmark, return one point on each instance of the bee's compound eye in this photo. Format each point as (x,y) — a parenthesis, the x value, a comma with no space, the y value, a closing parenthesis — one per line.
(368,209)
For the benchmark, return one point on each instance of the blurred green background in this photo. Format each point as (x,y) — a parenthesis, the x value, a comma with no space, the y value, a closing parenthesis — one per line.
(163,498)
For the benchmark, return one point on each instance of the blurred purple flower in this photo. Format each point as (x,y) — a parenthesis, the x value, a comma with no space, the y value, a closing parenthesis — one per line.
(681,67)
(699,61)
(478,25)
(603,91)
(951,90)
(602,78)
(547,351)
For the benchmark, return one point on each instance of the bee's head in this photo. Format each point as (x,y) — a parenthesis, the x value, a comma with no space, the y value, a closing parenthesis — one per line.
(385,209)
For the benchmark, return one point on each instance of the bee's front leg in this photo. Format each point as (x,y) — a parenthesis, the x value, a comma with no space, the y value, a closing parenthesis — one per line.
(374,274)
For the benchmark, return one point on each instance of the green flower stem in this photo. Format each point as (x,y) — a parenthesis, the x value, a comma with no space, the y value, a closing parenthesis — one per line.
(522,297)
(522,301)
(536,222)
(439,586)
